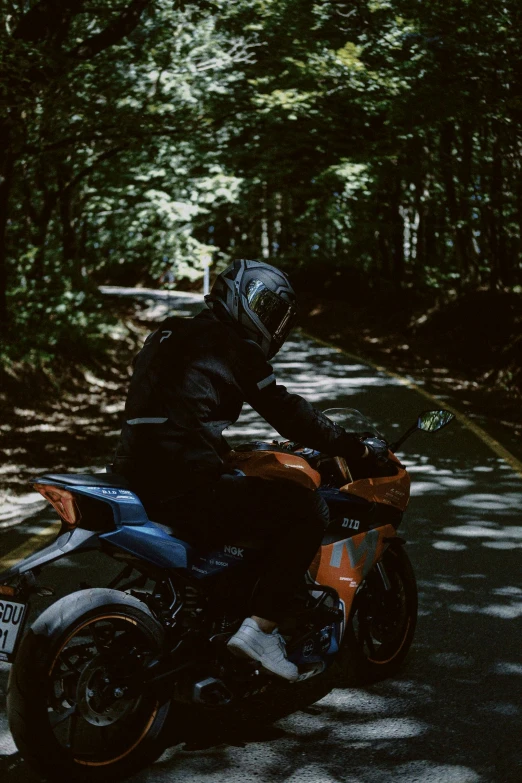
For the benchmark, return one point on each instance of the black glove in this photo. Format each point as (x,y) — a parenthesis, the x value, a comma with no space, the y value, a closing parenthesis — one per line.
(377,450)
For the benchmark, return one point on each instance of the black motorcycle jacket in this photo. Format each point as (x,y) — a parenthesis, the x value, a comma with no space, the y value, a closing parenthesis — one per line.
(189,384)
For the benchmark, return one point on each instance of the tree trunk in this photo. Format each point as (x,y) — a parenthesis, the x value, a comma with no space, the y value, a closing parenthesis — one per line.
(447,135)
(384,253)
(6,179)
(397,234)
(466,213)
(431,234)
(286,221)
(421,208)
(44,219)
(518,178)
(498,239)
(485,177)
(69,244)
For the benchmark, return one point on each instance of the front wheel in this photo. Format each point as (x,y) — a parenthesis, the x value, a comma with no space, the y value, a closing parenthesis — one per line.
(382,621)
(74,701)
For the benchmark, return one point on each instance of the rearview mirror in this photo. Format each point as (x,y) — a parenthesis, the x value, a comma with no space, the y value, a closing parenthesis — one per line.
(431,421)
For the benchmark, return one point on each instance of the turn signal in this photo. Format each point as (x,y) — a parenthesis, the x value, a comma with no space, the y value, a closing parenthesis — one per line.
(62,501)
(5,590)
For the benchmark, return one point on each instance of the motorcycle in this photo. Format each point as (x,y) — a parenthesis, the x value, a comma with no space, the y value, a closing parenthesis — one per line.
(96,676)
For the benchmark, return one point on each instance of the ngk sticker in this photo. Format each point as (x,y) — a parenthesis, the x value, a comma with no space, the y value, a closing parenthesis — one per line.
(233,550)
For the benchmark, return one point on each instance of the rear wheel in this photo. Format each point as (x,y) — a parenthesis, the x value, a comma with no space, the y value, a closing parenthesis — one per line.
(75,704)
(382,621)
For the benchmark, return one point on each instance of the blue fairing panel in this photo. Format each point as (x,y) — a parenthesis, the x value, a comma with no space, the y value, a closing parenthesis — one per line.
(150,543)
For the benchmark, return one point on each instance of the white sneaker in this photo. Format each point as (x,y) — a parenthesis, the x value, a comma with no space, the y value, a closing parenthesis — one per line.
(267,648)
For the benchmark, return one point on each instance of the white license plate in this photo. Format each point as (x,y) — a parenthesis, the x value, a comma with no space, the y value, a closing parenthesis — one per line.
(12,617)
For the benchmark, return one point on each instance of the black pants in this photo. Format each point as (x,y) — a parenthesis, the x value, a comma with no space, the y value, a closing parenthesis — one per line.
(289,519)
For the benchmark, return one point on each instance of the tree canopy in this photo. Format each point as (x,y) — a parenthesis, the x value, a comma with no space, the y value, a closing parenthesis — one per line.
(379,137)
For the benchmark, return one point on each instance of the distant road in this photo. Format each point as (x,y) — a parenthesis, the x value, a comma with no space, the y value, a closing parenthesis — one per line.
(159,303)
(152,293)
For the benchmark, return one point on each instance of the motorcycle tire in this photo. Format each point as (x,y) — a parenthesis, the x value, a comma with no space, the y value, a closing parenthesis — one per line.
(382,622)
(73,705)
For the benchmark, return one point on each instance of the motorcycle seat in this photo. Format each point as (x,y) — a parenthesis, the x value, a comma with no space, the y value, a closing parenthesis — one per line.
(85,480)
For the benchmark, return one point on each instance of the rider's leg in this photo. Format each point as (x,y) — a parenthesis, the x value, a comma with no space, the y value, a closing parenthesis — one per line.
(288,517)
(292,519)
(267,626)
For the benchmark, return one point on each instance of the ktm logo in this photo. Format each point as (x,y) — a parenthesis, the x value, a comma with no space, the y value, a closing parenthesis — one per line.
(234,550)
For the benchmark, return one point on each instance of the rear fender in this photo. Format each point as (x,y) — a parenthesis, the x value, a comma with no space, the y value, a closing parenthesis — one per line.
(151,544)
(77,540)
(146,543)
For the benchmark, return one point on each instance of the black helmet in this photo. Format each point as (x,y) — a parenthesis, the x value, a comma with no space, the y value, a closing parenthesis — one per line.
(259,298)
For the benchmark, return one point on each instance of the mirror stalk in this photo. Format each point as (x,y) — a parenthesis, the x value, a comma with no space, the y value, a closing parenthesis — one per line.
(428,421)
(398,443)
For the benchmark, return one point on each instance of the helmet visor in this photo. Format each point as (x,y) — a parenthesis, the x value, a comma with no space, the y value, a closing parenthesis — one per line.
(276,315)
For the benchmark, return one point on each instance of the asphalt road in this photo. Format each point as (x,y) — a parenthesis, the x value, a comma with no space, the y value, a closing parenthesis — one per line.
(453,715)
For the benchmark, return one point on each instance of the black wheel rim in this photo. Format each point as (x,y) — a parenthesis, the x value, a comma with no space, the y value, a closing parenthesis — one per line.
(381,618)
(96,709)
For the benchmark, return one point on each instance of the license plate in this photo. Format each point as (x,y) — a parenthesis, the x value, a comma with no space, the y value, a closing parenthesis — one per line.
(12,619)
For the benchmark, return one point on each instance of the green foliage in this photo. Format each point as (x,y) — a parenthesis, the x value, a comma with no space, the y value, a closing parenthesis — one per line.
(53,324)
(382,136)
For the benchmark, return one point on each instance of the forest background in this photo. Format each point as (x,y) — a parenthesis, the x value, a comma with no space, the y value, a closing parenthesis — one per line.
(370,148)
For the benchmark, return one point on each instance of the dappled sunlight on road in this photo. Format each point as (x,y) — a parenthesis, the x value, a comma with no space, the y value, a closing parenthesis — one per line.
(318,373)
(453,714)
(449,717)
(508,668)
(23,506)
(464,529)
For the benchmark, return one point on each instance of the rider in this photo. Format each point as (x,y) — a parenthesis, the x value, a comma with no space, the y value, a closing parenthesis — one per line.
(189,384)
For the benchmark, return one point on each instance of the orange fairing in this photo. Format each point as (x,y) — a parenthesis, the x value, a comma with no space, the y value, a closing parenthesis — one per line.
(62,501)
(390,490)
(275,465)
(344,564)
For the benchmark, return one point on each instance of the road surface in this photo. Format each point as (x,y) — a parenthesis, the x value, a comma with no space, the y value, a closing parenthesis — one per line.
(454,714)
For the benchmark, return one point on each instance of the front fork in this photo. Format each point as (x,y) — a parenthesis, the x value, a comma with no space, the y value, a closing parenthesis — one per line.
(393,541)
(384,576)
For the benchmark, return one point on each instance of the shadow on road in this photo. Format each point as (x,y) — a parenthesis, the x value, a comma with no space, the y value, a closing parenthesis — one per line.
(454,713)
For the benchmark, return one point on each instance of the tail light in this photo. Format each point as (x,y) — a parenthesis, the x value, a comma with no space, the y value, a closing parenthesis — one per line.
(62,501)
